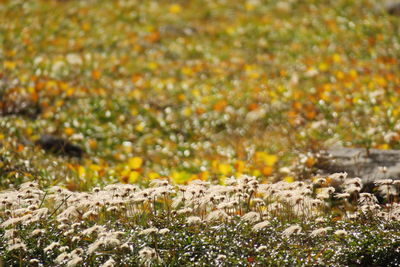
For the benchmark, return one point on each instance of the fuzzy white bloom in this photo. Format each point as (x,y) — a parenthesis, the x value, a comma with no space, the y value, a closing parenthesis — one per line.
(148,255)
(340,233)
(94,246)
(51,246)
(17,246)
(109,263)
(111,241)
(339,176)
(260,225)
(193,220)
(69,232)
(325,192)
(384,182)
(352,189)
(294,229)
(320,231)
(367,198)
(19,212)
(163,231)
(126,246)
(342,195)
(217,215)
(149,231)
(184,211)
(231,180)
(356,181)
(225,205)
(76,252)
(29,185)
(74,59)
(262,248)
(89,213)
(70,212)
(74,261)
(251,217)
(61,258)
(159,182)
(10,233)
(221,257)
(9,222)
(14,241)
(387,190)
(37,232)
(319,181)
(34,261)
(94,229)
(63,248)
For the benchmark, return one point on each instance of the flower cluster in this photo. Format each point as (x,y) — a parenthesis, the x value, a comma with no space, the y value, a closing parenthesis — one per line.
(82,216)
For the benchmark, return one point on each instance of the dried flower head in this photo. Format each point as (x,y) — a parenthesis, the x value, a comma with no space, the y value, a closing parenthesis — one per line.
(294,229)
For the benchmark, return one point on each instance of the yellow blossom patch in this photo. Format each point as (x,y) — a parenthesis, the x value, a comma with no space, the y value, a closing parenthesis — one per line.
(224,169)
(175,9)
(135,163)
(266,158)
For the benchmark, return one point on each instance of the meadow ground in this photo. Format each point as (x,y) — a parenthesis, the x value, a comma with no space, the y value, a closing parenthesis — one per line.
(171,99)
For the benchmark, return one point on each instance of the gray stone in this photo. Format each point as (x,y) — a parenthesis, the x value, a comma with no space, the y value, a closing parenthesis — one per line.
(357,163)
(393,8)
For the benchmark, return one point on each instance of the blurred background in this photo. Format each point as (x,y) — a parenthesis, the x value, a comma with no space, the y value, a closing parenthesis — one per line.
(95,92)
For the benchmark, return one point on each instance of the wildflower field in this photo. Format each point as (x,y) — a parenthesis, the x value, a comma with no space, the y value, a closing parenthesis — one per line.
(189,133)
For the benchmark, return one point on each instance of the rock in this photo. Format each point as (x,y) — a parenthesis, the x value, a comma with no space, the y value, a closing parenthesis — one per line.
(393,8)
(60,146)
(379,164)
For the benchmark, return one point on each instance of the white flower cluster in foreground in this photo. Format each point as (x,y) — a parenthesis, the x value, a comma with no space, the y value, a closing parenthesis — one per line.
(199,202)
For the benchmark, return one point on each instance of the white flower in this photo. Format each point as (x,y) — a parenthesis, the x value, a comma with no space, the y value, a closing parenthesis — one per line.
(319,181)
(17,246)
(109,263)
(149,231)
(294,229)
(163,231)
(352,189)
(251,217)
(62,257)
(217,215)
(148,255)
(193,220)
(260,225)
(261,248)
(10,233)
(11,221)
(340,233)
(320,231)
(51,246)
(384,182)
(221,257)
(74,261)
(367,198)
(125,246)
(37,232)
(111,241)
(76,252)
(342,195)
(94,229)
(74,59)
(159,182)
(94,246)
